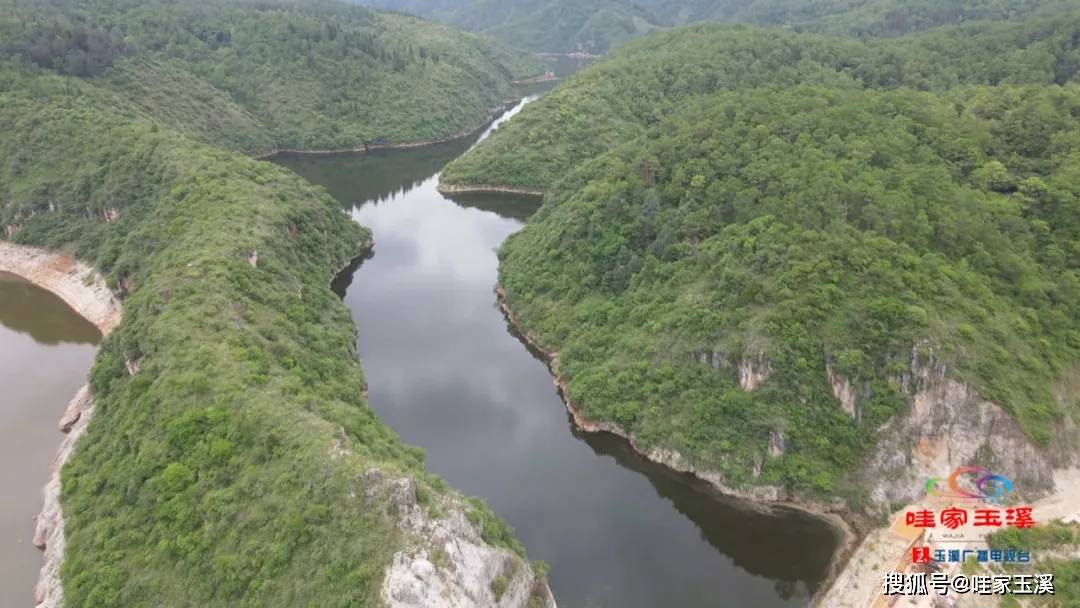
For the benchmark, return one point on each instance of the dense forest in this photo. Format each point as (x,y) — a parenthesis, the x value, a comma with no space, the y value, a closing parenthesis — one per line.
(265,75)
(595,26)
(816,206)
(619,98)
(233,459)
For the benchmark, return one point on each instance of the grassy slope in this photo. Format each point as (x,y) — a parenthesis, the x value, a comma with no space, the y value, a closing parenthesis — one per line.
(825,224)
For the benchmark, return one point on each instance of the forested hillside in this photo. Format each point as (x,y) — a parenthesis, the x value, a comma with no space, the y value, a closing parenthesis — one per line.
(280,74)
(595,26)
(232,459)
(619,98)
(854,17)
(740,223)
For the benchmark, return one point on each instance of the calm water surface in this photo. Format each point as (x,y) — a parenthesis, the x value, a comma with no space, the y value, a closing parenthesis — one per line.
(447,375)
(45,352)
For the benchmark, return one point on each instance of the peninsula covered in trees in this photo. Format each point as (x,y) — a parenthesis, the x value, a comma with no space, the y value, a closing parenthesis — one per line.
(753,240)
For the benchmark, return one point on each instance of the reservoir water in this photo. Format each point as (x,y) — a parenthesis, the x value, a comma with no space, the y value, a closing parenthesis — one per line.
(445,372)
(46,350)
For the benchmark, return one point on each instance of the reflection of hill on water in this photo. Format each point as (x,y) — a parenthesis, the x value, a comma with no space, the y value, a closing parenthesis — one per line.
(30,310)
(511,206)
(353,178)
(341,283)
(789,546)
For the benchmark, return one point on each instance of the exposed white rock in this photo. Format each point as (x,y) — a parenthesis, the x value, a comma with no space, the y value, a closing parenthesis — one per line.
(949,425)
(450,565)
(74,282)
(859,581)
(777,445)
(841,389)
(753,371)
(49,533)
(82,402)
(1064,503)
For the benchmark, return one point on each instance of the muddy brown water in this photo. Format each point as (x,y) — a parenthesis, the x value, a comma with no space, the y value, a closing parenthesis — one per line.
(46,349)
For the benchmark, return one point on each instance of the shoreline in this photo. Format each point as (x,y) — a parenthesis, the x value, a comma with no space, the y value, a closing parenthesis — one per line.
(84,290)
(368,148)
(79,285)
(459,189)
(574,55)
(765,500)
(861,538)
(537,80)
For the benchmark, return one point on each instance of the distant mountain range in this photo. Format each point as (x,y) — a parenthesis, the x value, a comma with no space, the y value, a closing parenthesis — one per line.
(594,26)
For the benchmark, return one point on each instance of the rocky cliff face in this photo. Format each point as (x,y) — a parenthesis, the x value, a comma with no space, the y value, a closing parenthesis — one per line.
(754,370)
(949,425)
(74,282)
(842,390)
(449,564)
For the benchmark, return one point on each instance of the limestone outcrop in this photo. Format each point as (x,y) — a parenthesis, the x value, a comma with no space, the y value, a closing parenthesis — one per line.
(450,565)
(74,282)
(950,425)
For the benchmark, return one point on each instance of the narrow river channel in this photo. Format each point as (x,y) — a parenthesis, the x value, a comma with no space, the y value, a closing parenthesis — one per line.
(46,350)
(447,375)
